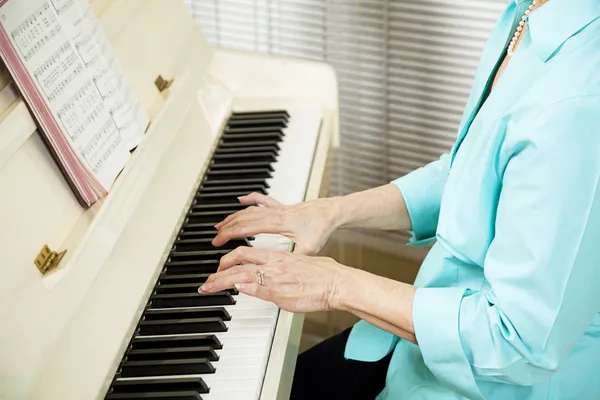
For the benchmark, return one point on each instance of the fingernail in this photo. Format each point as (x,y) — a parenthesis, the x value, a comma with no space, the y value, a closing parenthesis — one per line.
(204,287)
(240,286)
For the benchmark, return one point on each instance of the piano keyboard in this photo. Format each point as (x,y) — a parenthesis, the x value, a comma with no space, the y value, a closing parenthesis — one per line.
(191,346)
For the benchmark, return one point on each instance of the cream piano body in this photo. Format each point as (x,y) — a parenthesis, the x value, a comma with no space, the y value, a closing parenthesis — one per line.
(63,334)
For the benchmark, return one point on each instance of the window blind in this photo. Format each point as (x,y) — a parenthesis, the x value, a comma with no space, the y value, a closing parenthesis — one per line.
(405,68)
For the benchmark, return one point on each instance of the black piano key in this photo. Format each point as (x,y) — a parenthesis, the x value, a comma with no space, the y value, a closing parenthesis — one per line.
(232,150)
(205,244)
(173,353)
(201,240)
(192,267)
(180,326)
(232,180)
(132,369)
(235,188)
(201,234)
(239,137)
(246,144)
(169,384)
(183,288)
(176,288)
(197,234)
(206,241)
(242,173)
(256,122)
(192,300)
(173,395)
(177,255)
(202,225)
(162,342)
(153,314)
(190,236)
(232,206)
(222,166)
(209,218)
(219,197)
(183,278)
(264,120)
(258,114)
(269,156)
(194,263)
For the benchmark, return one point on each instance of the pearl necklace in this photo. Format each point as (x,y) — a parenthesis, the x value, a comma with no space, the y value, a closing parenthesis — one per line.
(519,31)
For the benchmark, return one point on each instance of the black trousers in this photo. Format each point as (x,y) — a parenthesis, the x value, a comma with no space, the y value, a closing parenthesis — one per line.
(322,372)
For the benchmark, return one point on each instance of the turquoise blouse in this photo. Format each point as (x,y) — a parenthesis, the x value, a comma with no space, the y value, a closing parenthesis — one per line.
(508,299)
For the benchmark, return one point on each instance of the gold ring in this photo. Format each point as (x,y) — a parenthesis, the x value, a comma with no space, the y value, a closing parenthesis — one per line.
(261,277)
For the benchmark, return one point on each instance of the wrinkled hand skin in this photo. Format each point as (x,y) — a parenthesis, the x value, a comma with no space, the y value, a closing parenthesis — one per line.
(294,282)
(309,224)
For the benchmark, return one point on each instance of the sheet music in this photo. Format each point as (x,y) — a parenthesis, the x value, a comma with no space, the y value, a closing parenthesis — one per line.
(95,50)
(62,80)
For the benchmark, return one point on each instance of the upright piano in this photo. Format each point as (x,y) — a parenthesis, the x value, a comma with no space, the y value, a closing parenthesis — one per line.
(120,317)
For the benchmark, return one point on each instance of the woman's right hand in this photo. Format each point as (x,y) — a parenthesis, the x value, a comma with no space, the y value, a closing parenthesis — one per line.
(309,224)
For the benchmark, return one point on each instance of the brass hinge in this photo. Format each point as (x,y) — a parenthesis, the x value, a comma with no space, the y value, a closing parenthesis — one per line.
(47,260)
(162,84)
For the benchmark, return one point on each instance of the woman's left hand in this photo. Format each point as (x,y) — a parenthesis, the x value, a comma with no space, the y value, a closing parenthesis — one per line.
(294,282)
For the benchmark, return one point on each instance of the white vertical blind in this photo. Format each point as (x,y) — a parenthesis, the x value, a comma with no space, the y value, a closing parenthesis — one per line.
(404,67)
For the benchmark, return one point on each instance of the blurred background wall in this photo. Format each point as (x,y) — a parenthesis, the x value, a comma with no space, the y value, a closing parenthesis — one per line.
(404,67)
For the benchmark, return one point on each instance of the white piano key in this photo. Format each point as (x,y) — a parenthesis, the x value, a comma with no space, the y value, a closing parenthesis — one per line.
(245,350)
(234,379)
(244,300)
(229,393)
(243,378)
(243,341)
(296,155)
(231,360)
(246,313)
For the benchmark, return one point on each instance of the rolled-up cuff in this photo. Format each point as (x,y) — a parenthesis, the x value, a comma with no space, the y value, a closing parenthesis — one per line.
(436,322)
(369,343)
(422,205)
